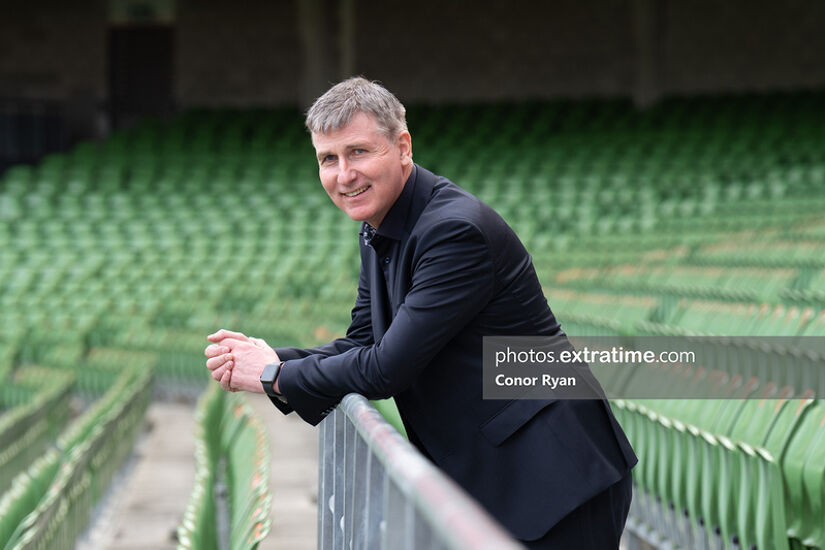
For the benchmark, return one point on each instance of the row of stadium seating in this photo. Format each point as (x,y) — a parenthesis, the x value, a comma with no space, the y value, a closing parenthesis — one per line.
(230,502)
(639,313)
(49,504)
(745,472)
(31,416)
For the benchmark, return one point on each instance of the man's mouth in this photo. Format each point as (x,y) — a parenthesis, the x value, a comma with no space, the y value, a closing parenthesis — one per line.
(357,191)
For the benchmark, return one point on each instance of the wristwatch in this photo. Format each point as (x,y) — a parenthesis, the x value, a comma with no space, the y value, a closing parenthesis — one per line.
(268,378)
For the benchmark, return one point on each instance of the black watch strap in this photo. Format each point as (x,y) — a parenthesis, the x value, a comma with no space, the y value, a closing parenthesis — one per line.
(269,376)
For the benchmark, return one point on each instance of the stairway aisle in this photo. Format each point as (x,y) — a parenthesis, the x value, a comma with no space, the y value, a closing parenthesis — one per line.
(145,503)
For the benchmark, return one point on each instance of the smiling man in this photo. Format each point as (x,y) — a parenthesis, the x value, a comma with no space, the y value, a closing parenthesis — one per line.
(439,271)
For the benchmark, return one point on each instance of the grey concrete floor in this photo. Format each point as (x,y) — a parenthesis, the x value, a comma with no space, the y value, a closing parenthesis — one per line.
(147,499)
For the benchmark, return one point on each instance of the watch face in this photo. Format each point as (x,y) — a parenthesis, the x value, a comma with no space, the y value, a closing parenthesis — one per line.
(268,375)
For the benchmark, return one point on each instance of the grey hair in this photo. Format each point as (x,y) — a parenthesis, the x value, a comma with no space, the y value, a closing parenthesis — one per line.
(336,108)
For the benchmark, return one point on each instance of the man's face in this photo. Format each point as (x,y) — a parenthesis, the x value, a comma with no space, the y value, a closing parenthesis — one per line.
(361,170)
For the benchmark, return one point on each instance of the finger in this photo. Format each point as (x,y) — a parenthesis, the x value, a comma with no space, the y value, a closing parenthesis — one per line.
(216,362)
(226,379)
(223,333)
(214,350)
(218,373)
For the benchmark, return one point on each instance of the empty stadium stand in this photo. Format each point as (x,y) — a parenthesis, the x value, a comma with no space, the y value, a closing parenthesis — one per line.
(695,217)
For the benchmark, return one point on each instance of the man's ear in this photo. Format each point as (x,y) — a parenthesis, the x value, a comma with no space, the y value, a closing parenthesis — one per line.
(404,143)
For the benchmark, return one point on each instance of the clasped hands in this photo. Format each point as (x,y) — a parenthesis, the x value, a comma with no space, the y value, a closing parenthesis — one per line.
(237,360)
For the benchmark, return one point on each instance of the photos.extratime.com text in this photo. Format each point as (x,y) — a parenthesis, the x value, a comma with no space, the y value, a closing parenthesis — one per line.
(614,355)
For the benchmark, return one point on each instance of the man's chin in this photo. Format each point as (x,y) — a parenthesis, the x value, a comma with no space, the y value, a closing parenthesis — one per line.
(357,216)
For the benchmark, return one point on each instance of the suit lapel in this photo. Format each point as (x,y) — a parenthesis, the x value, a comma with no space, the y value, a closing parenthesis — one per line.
(380,300)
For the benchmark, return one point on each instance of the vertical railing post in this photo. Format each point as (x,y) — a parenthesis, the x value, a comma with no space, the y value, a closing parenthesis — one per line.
(377,492)
(338,486)
(326,482)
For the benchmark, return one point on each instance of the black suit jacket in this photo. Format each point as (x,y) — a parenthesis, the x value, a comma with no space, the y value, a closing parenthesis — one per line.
(442,271)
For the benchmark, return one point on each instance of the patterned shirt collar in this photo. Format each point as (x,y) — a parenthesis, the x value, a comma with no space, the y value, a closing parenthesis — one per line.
(367,233)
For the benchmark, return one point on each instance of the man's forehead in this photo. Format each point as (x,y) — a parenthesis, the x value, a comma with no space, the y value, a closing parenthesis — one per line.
(361,127)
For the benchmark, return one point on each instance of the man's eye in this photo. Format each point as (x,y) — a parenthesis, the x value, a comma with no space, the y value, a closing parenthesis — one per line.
(328,158)
(358,151)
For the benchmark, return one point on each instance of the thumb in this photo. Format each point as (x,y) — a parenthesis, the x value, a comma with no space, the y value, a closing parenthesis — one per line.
(234,342)
(223,334)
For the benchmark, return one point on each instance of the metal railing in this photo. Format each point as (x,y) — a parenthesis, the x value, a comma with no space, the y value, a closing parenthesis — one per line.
(376,491)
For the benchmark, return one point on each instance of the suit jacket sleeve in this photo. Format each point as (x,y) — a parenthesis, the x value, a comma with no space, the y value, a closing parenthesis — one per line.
(452,280)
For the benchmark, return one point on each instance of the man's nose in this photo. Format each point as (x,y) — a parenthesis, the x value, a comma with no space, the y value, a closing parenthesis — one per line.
(345,172)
